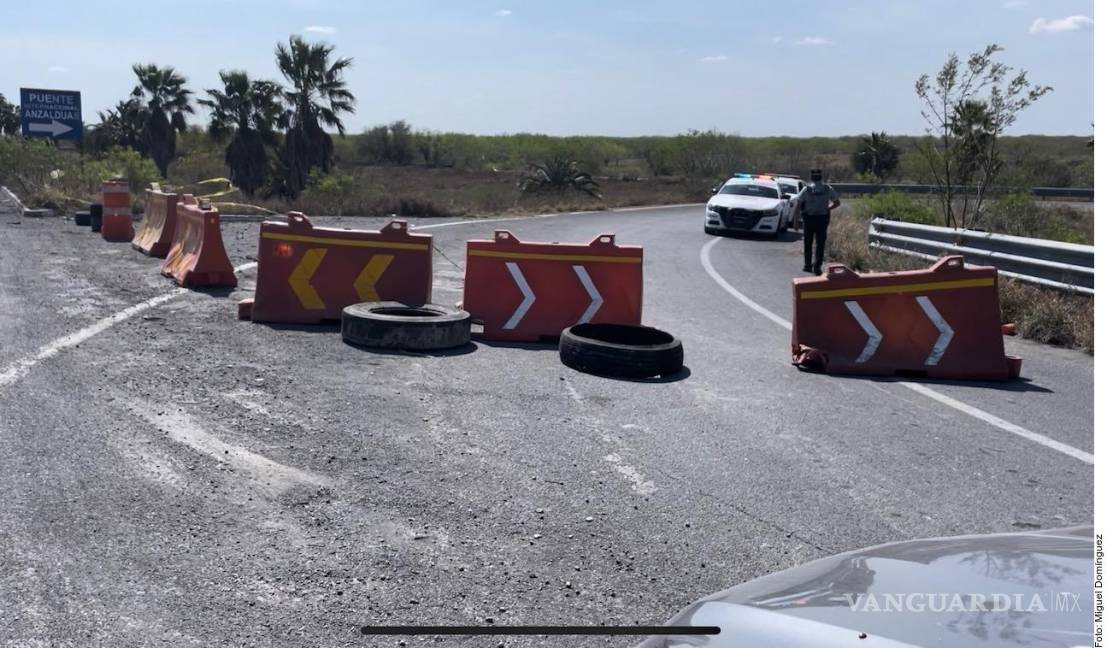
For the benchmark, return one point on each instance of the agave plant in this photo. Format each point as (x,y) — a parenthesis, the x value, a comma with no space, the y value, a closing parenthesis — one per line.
(165,102)
(559,173)
(248,112)
(317,97)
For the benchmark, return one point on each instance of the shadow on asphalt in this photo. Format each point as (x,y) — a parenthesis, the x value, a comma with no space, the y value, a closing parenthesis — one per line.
(785,237)
(215,292)
(322,327)
(524,346)
(684,372)
(464,349)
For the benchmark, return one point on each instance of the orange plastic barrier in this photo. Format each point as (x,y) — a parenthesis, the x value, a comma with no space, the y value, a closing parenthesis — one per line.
(526,291)
(158,225)
(197,257)
(942,322)
(116,224)
(308,274)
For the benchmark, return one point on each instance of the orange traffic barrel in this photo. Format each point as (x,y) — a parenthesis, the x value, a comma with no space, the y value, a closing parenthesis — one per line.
(116,224)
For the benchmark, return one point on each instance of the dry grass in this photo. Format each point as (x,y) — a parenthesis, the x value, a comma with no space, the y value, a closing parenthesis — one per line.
(1039,314)
(415,192)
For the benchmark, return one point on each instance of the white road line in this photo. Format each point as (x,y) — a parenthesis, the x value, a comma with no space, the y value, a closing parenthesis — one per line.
(705,261)
(23,366)
(979,414)
(1007,426)
(270,475)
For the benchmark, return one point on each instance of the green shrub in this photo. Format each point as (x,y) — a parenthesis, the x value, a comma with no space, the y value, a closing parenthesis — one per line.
(1021,215)
(899,206)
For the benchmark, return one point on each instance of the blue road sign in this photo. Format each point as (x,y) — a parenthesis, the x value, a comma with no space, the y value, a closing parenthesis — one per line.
(51,113)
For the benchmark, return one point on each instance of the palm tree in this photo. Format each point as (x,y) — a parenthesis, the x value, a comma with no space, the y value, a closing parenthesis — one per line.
(876,154)
(9,117)
(317,96)
(165,101)
(119,126)
(249,112)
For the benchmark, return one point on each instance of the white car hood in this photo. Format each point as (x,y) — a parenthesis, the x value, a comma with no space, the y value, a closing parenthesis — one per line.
(756,203)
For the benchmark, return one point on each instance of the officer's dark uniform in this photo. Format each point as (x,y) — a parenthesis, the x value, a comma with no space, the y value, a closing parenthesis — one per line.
(814,203)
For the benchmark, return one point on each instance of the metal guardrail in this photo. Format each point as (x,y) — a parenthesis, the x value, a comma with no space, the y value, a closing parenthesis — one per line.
(1065,266)
(860,188)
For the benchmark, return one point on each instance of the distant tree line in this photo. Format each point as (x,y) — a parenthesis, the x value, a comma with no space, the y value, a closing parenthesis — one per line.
(274,137)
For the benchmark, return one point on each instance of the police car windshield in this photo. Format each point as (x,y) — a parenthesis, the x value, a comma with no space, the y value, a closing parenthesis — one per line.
(750,190)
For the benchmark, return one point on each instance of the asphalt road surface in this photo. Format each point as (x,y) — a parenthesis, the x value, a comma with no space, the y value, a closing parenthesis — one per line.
(174,476)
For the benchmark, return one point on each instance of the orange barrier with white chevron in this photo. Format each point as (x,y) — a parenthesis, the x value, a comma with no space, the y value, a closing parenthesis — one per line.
(116,223)
(158,224)
(530,291)
(308,274)
(942,322)
(197,258)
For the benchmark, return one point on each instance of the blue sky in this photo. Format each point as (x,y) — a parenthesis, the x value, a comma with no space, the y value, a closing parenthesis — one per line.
(573,66)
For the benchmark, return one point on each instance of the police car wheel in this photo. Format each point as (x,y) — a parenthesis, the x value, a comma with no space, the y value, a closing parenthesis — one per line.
(621,350)
(394,325)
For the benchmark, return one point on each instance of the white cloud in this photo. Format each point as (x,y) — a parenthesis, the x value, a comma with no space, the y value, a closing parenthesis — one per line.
(58,68)
(319,29)
(712,59)
(1069,23)
(503,12)
(813,41)
(1015,4)
(777,40)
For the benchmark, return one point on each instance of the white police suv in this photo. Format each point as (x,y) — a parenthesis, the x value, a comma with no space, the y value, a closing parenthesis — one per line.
(747,203)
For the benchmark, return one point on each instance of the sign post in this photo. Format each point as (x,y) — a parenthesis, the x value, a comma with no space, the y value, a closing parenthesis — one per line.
(51,113)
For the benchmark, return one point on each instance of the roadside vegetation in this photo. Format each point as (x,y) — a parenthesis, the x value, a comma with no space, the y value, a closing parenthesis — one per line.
(967,107)
(277,145)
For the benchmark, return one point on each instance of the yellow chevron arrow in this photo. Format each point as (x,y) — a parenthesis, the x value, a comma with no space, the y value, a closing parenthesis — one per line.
(300,279)
(366,282)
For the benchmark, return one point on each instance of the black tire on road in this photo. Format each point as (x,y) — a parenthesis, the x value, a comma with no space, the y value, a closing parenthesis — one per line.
(95,216)
(621,350)
(82,218)
(394,325)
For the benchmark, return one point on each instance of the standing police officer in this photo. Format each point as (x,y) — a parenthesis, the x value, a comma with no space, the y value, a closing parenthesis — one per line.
(815,202)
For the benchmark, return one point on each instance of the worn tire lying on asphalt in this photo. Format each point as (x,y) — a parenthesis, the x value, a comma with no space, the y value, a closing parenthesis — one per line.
(82,218)
(394,325)
(621,350)
(95,216)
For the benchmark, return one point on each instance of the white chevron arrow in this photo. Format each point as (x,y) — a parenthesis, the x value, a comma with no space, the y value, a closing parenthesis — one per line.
(597,298)
(870,329)
(528,296)
(945,332)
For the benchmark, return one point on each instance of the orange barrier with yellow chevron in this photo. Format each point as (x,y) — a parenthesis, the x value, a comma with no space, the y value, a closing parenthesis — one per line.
(308,274)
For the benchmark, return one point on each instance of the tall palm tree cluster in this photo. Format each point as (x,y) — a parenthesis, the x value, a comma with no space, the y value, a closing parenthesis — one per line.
(274,134)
